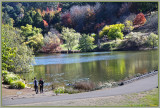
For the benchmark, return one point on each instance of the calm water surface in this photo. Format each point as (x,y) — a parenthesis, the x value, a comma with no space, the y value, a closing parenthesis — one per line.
(98,67)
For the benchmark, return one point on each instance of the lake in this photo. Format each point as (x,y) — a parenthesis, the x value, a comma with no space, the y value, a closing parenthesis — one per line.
(97,67)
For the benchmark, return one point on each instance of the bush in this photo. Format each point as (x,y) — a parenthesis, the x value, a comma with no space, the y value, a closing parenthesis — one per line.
(134,42)
(87,86)
(113,32)
(152,40)
(4,73)
(17,85)
(9,78)
(59,90)
(128,26)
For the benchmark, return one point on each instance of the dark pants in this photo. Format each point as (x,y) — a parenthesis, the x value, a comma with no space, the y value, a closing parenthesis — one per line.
(41,89)
(36,89)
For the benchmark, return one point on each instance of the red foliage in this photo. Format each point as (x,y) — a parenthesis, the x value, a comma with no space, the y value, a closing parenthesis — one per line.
(45,23)
(66,19)
(140,19)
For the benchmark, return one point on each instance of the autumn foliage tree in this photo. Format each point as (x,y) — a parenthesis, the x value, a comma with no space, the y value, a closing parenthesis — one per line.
(51,41)
(140,19)
(66,19)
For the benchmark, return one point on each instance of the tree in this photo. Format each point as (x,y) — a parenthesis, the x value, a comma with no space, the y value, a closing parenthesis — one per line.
(38,20)
(33,37)
(16,56)
(153,40)
(6,19)
(7,54)
(71,37)
(112,32)
(35,42)
(27,19)
(28,30)
(140,19)
(86,43)
(51,41)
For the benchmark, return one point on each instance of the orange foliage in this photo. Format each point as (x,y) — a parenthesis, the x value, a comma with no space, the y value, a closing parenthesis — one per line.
(43,13)
(140,19)
(59,9)
(45,23)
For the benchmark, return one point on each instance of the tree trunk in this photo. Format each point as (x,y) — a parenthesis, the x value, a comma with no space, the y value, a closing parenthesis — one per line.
(99,44)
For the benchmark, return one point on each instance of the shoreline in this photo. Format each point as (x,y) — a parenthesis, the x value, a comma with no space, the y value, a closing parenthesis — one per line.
(78,51)
(129,80)
(143,85)
(28,92)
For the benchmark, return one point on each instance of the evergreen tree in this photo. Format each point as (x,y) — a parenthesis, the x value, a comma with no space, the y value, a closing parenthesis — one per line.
(38,20)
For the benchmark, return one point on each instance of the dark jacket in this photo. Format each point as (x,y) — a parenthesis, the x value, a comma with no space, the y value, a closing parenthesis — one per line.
(41,82)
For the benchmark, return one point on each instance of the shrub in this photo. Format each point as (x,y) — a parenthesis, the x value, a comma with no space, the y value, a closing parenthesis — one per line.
(59,90)
(128,26)
(4,73)
(134,42)
(113,31)
(152,40)
(9,78)
(17,85)
(87,86)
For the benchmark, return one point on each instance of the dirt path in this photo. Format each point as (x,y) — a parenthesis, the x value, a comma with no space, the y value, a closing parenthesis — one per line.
(135,87)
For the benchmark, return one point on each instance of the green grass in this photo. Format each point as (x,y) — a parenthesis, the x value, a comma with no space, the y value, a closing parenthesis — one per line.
(149,99)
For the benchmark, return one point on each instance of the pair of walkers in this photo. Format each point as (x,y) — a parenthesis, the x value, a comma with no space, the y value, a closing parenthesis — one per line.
(41,82)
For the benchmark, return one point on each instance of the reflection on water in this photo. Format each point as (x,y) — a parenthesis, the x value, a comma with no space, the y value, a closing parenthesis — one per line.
(98,67)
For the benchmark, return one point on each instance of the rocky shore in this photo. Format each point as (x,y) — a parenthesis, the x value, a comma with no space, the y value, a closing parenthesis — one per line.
(135,78)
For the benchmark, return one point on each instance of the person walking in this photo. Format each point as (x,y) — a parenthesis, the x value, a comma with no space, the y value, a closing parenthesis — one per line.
(41,82)
(35,85)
